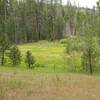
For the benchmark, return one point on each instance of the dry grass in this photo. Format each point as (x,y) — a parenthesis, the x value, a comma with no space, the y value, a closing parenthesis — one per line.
(33,86)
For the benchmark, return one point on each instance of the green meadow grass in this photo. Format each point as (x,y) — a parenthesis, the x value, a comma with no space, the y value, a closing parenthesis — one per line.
(49,56)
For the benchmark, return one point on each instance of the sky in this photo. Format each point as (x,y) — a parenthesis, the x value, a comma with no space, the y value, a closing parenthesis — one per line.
(83,3)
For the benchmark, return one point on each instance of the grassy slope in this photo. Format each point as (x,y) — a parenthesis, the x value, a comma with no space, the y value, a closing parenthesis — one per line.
(33,86)
(19,83)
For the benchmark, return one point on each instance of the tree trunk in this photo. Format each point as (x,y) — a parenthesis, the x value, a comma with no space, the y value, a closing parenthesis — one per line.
(2,58)
(90,62)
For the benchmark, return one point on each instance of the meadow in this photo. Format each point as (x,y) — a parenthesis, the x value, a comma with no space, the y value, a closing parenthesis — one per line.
(47,56)
(49,50)
(50,80)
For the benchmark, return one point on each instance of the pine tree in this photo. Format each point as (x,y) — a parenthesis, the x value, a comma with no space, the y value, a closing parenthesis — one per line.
(15,55)
(4,46)
(29,60)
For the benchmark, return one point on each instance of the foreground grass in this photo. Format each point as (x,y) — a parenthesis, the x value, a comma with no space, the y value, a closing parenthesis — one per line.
(26,85)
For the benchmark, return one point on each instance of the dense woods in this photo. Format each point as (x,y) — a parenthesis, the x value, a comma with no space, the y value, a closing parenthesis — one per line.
(27,20)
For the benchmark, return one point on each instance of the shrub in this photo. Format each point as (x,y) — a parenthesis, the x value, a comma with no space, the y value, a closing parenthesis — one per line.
(63,41)
(29,60)
(73,44)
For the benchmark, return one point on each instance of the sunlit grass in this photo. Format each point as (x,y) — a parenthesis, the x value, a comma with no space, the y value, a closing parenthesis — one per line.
(50,56)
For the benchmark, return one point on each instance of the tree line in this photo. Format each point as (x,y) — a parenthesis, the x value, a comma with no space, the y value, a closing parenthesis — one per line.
(28,20)
(32,20)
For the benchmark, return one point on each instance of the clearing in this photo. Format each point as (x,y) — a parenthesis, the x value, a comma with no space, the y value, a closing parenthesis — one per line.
(50,81)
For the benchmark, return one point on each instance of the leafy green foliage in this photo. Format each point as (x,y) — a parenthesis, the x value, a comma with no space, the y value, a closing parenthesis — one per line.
(63,41)
(90,54)
(73,43)
(86,48)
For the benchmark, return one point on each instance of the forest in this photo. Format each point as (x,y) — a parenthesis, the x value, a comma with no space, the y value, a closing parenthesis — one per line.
(49,51)
(25,21)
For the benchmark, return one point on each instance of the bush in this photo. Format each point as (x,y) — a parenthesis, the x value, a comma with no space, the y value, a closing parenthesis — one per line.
(73,44)
(15,55)
(63,41)
(29,60)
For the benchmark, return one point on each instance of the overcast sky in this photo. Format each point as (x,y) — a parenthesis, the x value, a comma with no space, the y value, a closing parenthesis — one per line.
(83,3)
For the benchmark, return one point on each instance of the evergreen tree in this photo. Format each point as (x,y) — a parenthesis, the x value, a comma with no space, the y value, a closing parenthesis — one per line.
(15,55)
(4,46)
(29,60)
